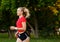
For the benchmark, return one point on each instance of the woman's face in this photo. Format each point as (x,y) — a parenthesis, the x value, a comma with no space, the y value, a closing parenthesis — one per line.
(19,12)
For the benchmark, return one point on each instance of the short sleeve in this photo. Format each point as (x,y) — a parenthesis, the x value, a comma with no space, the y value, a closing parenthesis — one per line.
(23,19)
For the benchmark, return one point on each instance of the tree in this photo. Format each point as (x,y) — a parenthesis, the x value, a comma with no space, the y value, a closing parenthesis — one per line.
(44,17)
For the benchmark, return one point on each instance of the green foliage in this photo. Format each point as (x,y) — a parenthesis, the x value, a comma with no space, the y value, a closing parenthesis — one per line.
(39,8)
(13,6)
(23,2)
(5,4)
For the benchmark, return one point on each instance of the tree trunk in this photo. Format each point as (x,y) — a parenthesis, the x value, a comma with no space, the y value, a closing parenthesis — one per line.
(36,26)
(9,34)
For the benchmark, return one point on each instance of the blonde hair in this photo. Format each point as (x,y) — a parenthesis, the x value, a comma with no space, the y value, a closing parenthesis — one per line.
(25,11)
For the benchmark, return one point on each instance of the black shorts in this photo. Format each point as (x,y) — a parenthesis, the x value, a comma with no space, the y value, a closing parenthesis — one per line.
(23,36)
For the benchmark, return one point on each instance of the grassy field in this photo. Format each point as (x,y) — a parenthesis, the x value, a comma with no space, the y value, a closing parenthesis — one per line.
(4,38)
(32,40)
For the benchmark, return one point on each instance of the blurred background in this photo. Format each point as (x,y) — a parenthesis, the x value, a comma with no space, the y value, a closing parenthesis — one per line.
(43,24)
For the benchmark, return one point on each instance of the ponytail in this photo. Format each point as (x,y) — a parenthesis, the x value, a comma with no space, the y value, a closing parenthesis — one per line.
(26,11)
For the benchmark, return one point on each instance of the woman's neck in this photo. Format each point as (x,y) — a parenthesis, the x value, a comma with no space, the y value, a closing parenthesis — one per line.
(20,16)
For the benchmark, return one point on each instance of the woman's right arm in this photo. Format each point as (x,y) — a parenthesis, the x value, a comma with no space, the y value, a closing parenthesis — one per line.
(16,34)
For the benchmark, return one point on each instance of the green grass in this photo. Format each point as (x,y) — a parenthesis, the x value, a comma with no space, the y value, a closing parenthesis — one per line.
(4,38)
(32,40)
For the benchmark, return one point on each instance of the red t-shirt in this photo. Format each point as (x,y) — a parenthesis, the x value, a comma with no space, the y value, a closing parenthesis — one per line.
(19,23)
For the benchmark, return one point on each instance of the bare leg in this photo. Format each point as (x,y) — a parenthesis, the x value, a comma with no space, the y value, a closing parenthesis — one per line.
(27,39)
(18,40)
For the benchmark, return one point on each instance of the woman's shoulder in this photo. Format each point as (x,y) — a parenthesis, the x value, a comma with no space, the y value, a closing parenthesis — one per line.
(23,19)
